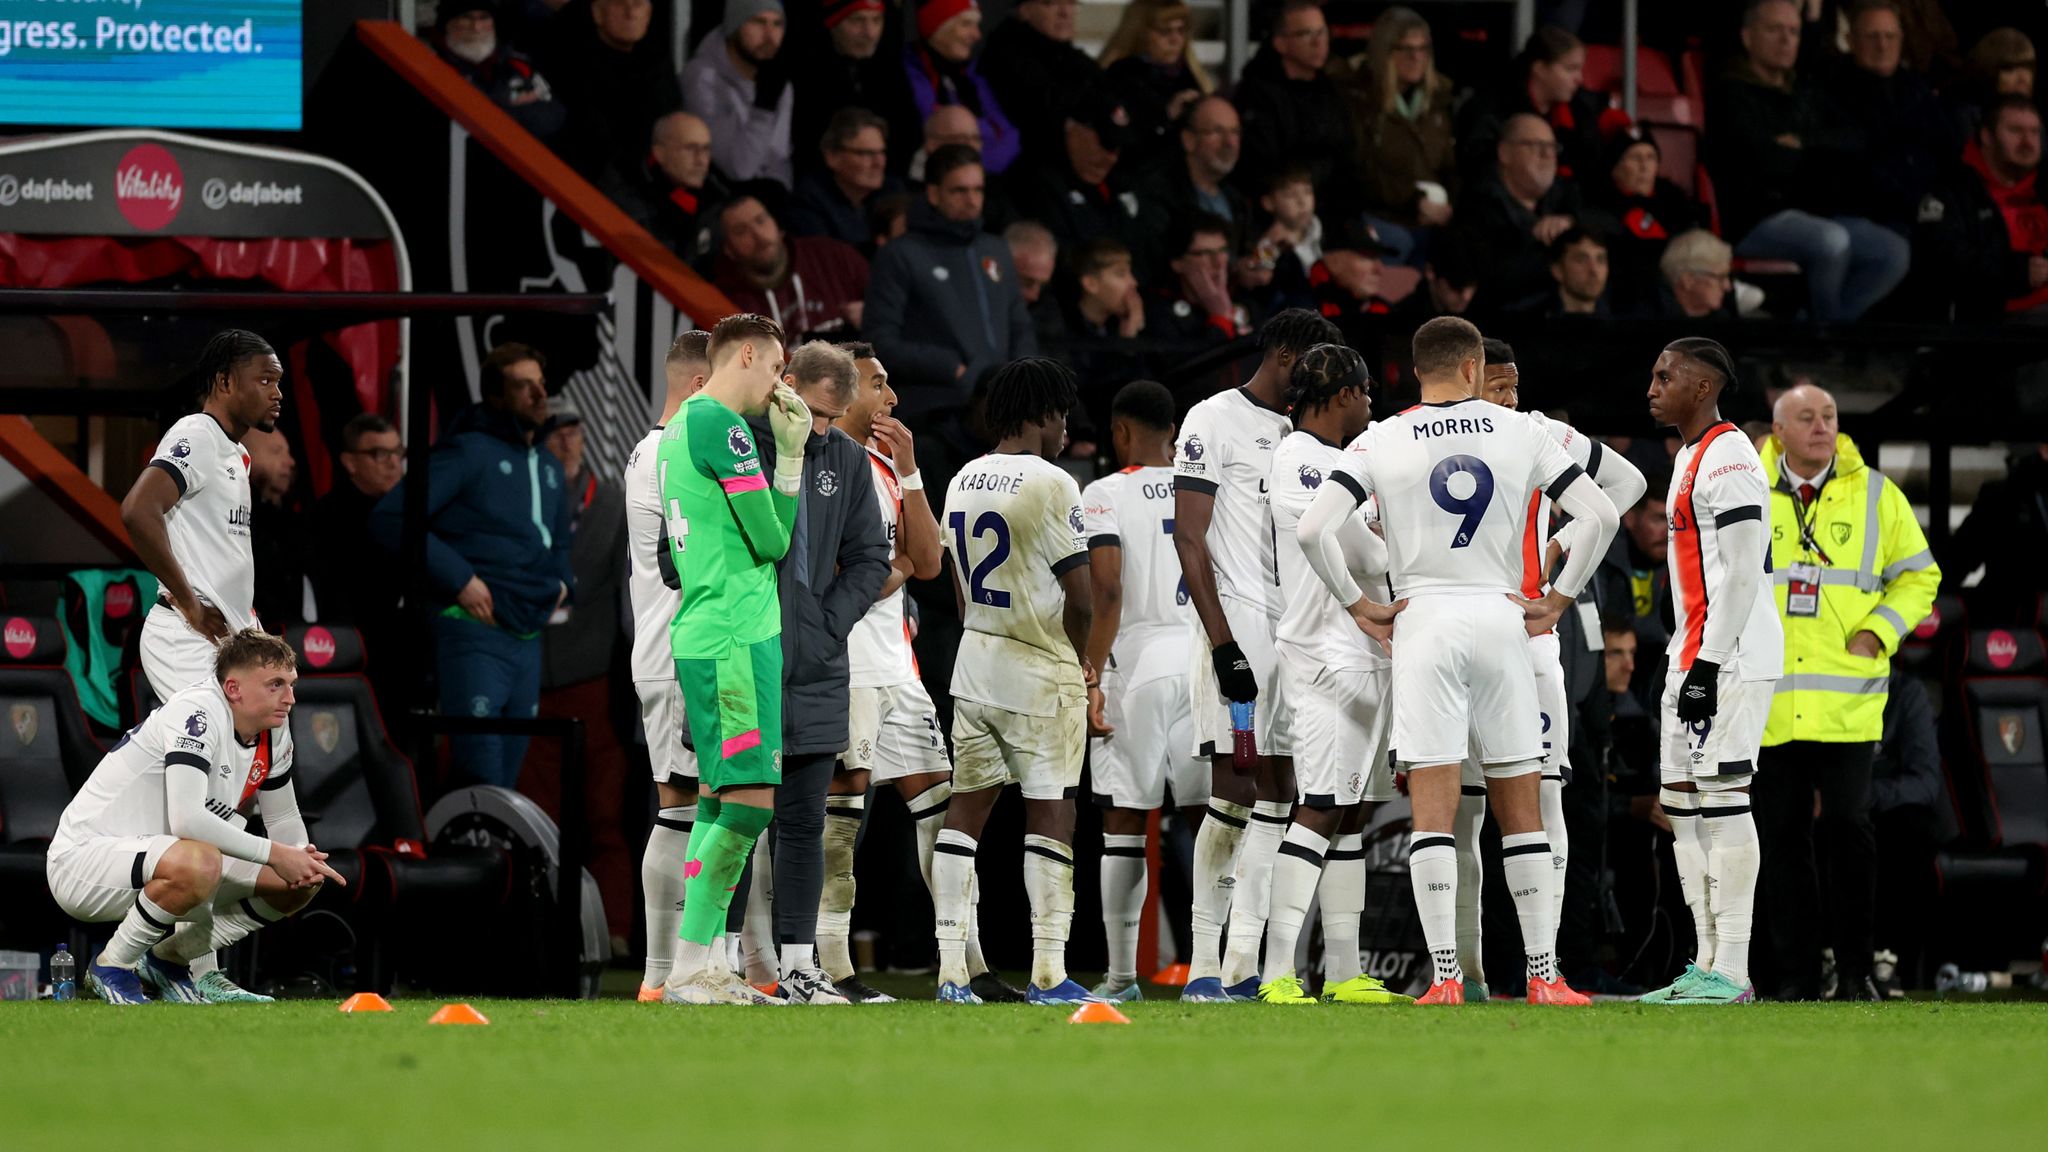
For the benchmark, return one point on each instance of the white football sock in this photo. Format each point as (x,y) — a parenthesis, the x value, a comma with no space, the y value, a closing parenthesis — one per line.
(1252,890)
(1550,795)
(1297,869)
(976,962)
(835,902)
(1433,872)
(690,959)
(661,883)
(952,902)
(928,815)
(1049,882)
(1732,862)
(1471,882)
(1216,850)
(757,931)
(1689,849)
(206,933)
(1342,896)
(204,963)
(1525,857)
(1123,903)
(145,926)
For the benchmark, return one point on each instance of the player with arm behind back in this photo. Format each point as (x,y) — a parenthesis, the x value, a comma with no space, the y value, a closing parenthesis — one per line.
(1336,680)
(1142,730)
(652,586)
(1454,476)
(1623,485)
(727,525)
(1223,531)
(150,840)
(1013,531)
(1726,652)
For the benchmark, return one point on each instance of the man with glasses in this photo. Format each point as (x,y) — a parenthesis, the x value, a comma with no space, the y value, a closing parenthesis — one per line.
(1211,138)
(1518,213)
(354,582)
(673,192)
(834,201)
(1695,266)
(1196,306)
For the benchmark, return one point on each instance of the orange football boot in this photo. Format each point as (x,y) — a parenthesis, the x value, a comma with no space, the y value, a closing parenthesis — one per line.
(1556,992)
(1444,992)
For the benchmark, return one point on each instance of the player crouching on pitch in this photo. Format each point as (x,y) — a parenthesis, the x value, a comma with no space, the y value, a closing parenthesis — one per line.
(152,840)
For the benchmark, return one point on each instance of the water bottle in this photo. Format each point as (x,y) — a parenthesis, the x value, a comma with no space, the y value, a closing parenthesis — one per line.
(63,975)
(1952,979)
(1244,741)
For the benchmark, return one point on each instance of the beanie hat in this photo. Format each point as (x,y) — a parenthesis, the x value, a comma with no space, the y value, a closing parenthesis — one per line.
(1617,144)
(933,15)
(738,12)
(837,10)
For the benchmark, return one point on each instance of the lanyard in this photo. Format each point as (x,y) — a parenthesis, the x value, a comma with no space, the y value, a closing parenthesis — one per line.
(1800,510)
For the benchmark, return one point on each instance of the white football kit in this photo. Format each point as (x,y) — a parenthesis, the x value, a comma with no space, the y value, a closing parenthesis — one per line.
(1454,483)
(209,535)
(1226,451)
(1623,485)
(649,570)
(1332,678)
(1145,688)
(1013,526)
(126,817)
(1718,481)
(892,726)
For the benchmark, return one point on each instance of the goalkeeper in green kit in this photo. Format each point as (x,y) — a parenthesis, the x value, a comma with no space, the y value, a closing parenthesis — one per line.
(727,526)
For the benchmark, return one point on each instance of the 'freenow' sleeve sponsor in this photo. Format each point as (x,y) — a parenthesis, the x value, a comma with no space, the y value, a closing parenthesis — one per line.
(154,63)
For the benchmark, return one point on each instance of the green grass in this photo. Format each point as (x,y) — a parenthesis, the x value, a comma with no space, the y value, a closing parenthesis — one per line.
(613,1073)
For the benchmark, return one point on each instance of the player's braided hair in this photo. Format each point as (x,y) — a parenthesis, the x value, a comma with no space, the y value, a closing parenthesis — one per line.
(1322,374)
(1027,391)
(1296,330)
(1145,401)
(226,349)
(1498,351)
(1709,354)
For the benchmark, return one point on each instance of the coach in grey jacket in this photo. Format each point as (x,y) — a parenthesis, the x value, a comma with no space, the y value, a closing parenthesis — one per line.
(838,559)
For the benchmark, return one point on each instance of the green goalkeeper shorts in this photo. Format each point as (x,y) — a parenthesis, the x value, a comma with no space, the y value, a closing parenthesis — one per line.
(734,707)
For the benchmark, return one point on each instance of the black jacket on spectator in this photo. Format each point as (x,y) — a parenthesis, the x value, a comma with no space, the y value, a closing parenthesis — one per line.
(1641,227)
(1176,193)
(1076,213)
(1104,360)
(1516,275)
(581,647)
(514,84)
(1755,176)
(1037,80)
(2006,532)
(1145,90)
(281,551)
(613,97)
(828,580)
(1304,122)
(940,296)
(827,82)
(821,209)
(1911,138)
(1968,247)
(1576,124)
(1907,770)
(685,222)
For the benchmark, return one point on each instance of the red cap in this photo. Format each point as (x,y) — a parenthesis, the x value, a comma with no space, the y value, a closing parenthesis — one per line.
(934,14)
(837,10)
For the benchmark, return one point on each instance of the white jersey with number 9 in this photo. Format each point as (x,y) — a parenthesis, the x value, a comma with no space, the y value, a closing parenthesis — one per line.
(1454,483)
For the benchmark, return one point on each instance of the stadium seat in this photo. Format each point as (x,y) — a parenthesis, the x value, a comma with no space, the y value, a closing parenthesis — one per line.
(101,643)
(46,752)
(361,801)
(1659,99)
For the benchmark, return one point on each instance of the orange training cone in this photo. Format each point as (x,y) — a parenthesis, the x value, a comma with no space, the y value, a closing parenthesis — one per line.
(1173,976)
(1098,1014)
(366,1002)
(457,1014)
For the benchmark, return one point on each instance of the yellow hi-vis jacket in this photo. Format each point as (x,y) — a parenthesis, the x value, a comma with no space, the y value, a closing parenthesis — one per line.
(1875,575)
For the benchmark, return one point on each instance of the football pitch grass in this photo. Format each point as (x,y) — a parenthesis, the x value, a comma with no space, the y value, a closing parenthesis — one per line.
(1245,1077)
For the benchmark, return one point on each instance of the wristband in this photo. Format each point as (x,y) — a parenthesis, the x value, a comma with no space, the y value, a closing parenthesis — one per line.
(912,483)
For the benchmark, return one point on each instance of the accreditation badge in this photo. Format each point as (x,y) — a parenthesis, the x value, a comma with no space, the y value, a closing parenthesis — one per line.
(1802,590)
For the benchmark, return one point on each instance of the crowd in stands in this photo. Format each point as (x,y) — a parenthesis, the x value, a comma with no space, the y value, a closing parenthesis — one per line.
(1152,209)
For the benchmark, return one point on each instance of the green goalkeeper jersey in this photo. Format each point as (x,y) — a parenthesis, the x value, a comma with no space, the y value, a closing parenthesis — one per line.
(727,526)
